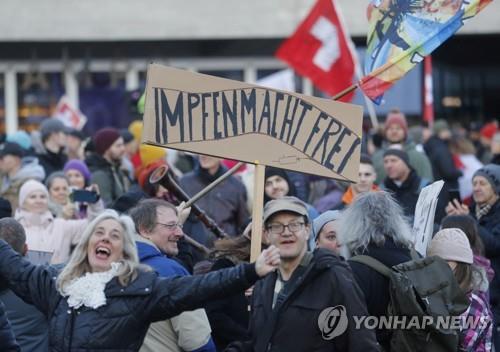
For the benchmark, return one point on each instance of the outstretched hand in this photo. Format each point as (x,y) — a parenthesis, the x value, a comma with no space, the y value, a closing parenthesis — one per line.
(268,261)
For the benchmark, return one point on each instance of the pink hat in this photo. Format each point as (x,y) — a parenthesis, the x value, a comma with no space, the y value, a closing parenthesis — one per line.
(29,187)
(397,118)
(451,244)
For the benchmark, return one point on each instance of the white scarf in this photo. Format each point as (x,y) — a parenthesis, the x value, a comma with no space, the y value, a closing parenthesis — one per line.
(88,290)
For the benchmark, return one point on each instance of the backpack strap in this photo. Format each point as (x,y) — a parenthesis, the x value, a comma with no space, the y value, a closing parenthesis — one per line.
(373,263)
(414,254)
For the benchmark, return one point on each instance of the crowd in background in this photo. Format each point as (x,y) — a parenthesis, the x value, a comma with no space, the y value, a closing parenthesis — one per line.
(56,181)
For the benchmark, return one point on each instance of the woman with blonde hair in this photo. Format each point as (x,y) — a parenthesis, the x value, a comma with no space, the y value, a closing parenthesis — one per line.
(103,299)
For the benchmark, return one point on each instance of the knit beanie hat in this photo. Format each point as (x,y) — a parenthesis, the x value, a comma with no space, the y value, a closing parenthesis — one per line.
(273,171)
(440,125)
(488,130)
(104,138)
(451,244)
(20,137)
(401,154)
(323,219)
(49,126)
(79,166)
(396,118)
(29,187)
(492,173)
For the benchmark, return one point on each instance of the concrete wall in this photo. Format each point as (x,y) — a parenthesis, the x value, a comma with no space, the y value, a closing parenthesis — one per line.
(96,20)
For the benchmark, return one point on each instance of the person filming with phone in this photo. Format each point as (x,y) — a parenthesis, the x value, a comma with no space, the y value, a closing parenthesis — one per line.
(486,210)
(46,233)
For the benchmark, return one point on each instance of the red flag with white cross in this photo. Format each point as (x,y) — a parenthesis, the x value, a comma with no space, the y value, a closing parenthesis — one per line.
(321,50)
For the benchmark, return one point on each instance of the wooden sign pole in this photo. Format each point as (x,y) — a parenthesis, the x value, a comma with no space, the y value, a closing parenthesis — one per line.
(258,207)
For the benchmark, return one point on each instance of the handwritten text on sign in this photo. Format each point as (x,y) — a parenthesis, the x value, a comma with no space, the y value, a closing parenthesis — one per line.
(183,117)
(215,116)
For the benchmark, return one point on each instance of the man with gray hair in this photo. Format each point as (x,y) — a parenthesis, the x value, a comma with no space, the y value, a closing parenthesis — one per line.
(28,323)
(374,225)
(312,296)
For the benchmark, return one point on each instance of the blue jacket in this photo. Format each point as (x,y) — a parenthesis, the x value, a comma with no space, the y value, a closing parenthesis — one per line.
(166,267)
(163,265)
(122,323)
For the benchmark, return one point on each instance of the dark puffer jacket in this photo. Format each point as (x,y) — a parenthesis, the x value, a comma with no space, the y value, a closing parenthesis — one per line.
(293,325)
(121,324)
(7,339)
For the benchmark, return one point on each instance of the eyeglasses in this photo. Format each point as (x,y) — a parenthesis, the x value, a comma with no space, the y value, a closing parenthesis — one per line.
(171,226)
(279,228)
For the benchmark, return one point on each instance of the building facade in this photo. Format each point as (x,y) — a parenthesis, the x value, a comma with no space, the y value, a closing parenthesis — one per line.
(96,53)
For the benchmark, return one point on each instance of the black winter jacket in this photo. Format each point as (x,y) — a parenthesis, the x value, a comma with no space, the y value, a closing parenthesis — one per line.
(226,204)
(407,194)
(375,286)
(7,339)
(122,323)
(489,231)
(444,169)
(293,325)
(228,316)
(52,162)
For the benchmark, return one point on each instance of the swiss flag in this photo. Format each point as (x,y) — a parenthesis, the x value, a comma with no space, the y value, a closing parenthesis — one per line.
(320,50)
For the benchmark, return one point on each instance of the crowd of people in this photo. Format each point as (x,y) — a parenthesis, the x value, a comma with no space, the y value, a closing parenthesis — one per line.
(95,255)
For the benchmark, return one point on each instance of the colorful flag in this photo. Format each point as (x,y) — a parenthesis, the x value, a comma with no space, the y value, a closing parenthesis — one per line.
(320,49)
(402,32)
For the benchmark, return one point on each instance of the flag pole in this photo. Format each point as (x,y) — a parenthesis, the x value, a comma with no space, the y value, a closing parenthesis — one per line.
(345,92)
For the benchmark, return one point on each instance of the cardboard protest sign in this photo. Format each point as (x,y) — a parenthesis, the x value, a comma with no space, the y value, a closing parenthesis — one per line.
(423,223)
(236,120)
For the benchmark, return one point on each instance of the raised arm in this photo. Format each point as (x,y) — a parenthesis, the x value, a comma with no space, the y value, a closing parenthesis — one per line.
(33,283)
(174,295)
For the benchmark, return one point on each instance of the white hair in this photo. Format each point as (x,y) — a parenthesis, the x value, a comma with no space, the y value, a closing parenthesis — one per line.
(78,264)
(373,217)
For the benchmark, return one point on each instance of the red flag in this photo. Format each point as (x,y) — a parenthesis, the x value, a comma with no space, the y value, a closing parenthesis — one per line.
(320,50)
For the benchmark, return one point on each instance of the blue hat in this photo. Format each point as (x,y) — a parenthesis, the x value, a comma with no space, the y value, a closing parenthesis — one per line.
(20,137)
(323,219)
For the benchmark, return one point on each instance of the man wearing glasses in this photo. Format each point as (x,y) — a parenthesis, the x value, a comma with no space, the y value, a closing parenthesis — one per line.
(159,231)
(287,306)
